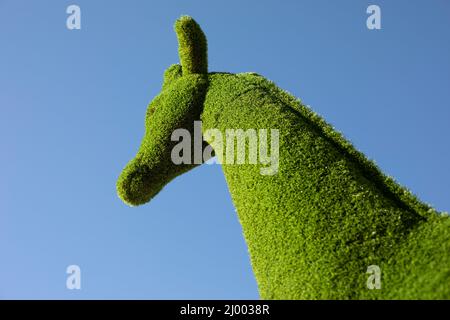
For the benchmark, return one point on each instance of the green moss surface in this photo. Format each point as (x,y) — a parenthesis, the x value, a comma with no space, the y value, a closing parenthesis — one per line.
(177,106)
(313,228)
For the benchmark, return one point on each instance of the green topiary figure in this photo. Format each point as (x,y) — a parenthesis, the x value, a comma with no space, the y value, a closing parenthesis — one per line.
(325,219)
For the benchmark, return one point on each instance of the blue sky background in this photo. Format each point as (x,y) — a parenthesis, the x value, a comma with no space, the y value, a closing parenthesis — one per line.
(72,106)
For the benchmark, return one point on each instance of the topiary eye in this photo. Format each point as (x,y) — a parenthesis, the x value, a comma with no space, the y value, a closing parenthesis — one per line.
(151,108)
(150,111)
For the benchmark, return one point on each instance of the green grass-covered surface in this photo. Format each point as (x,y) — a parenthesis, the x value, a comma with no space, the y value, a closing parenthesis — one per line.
(313,228)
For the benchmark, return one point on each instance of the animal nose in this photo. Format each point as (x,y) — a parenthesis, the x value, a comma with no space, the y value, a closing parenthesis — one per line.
(136,185)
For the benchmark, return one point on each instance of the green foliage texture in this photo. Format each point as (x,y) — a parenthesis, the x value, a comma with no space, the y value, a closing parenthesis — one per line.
(315,227)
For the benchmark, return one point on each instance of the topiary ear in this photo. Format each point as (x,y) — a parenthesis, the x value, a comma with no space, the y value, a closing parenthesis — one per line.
(192,46)
(173,72)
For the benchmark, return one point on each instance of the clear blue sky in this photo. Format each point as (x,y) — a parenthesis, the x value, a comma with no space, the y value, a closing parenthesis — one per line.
(72,106)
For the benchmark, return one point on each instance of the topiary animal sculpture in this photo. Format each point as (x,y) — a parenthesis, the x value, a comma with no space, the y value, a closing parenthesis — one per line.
(315,227)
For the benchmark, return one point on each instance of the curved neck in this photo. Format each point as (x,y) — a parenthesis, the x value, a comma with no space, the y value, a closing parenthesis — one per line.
(317,212)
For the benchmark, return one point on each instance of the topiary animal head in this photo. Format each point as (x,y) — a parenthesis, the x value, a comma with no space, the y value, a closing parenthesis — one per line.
(178,105)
